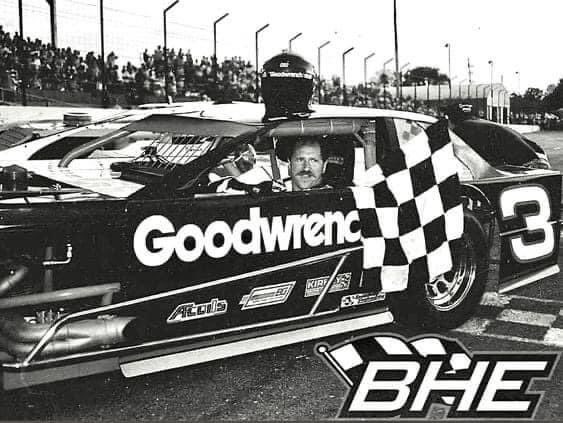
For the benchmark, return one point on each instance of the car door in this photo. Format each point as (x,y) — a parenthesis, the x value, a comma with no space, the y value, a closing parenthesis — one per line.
(243,259)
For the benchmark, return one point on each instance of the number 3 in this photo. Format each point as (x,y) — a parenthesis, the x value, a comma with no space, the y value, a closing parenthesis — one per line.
(535,222)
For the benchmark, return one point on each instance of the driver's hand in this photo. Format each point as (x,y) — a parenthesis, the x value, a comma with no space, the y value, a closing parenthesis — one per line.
(367,135)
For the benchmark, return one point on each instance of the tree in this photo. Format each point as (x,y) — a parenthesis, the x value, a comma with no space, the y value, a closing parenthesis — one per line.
(529,103)
(422,73)
(554,100)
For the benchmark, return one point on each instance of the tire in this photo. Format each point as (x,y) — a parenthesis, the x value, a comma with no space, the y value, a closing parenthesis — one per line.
(451,299)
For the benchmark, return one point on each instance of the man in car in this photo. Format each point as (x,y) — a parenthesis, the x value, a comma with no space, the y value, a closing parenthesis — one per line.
(307,157)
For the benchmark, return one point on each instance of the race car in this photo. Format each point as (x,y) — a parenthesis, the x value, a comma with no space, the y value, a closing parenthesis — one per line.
(499,144)
(150,266)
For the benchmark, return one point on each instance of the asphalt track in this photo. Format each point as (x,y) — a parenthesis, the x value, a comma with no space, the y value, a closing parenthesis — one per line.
(292,382)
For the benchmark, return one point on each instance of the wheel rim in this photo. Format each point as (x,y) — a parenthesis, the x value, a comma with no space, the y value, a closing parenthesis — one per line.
(449,290)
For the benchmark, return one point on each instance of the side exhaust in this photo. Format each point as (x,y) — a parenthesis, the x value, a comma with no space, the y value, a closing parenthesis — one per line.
(18,337)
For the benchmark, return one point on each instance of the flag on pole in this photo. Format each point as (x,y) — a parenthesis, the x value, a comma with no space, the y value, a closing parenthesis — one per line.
(410,210)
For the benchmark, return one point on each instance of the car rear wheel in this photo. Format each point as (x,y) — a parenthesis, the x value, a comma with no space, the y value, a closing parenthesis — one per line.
(450,299)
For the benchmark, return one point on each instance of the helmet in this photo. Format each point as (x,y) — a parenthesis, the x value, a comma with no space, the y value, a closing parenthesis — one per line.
(287,85)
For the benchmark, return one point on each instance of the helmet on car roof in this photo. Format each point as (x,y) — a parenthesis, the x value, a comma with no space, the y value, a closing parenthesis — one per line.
(287,86)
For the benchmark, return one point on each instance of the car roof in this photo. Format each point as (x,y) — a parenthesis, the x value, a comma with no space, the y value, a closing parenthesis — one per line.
(253,113)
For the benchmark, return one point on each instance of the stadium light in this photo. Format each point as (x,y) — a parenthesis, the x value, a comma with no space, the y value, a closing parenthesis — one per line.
(345,100)
(215,34)
(294,38)
(319,67)
(166,83)
(22,58)
(369,56)
(257,81)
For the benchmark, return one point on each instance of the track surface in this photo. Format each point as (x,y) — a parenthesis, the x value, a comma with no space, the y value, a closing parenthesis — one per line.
(292,382)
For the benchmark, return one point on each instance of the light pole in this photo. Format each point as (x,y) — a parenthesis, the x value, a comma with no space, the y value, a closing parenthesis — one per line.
(257,80)
(345,100)
(296,36)
(23,58)
(166,70)
(491,63)
(215,34)
(385,82)
(369,56)
(53,18)
(449,47)
(214,62)
(396,47)
(319,67)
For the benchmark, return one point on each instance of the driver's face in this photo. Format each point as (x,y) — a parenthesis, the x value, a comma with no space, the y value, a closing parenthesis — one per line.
(306,167)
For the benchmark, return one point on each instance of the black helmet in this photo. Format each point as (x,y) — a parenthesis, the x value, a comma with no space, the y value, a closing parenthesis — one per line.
(287,85)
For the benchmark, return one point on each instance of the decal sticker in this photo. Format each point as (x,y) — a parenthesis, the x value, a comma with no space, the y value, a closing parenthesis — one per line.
(360,299)
(192,311)
(536,224)
(314,287)
(263,296)
(156,239)
(431,370)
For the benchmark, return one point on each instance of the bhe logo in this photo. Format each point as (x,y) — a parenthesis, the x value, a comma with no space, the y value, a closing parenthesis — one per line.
(389,376)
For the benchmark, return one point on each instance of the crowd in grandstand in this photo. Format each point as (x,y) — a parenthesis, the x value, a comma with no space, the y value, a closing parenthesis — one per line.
(44,67)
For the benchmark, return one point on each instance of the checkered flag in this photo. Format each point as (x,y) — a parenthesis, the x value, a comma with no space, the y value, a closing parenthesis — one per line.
(410,210)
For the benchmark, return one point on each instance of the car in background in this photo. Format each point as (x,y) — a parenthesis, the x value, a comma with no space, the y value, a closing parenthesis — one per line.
(499,144)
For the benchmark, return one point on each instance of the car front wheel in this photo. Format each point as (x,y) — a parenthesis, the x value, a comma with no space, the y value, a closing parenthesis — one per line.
(450,299)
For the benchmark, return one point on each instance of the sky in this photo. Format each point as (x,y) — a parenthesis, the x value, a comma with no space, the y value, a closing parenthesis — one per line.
(517,35)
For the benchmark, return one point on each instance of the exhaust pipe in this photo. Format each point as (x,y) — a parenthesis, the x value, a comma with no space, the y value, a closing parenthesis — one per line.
(16,274)
(18,337)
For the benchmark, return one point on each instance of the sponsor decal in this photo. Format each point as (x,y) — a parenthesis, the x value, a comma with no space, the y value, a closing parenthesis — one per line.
(156,238)
(314,287)
(263,296)
(362,298)
(192,311)
(389,376)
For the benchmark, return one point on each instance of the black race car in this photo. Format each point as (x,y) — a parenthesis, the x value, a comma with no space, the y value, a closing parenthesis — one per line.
(150,265)
(499,144)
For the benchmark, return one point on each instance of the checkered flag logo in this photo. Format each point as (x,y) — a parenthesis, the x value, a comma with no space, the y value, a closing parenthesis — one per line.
(350,359)
(410,210)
